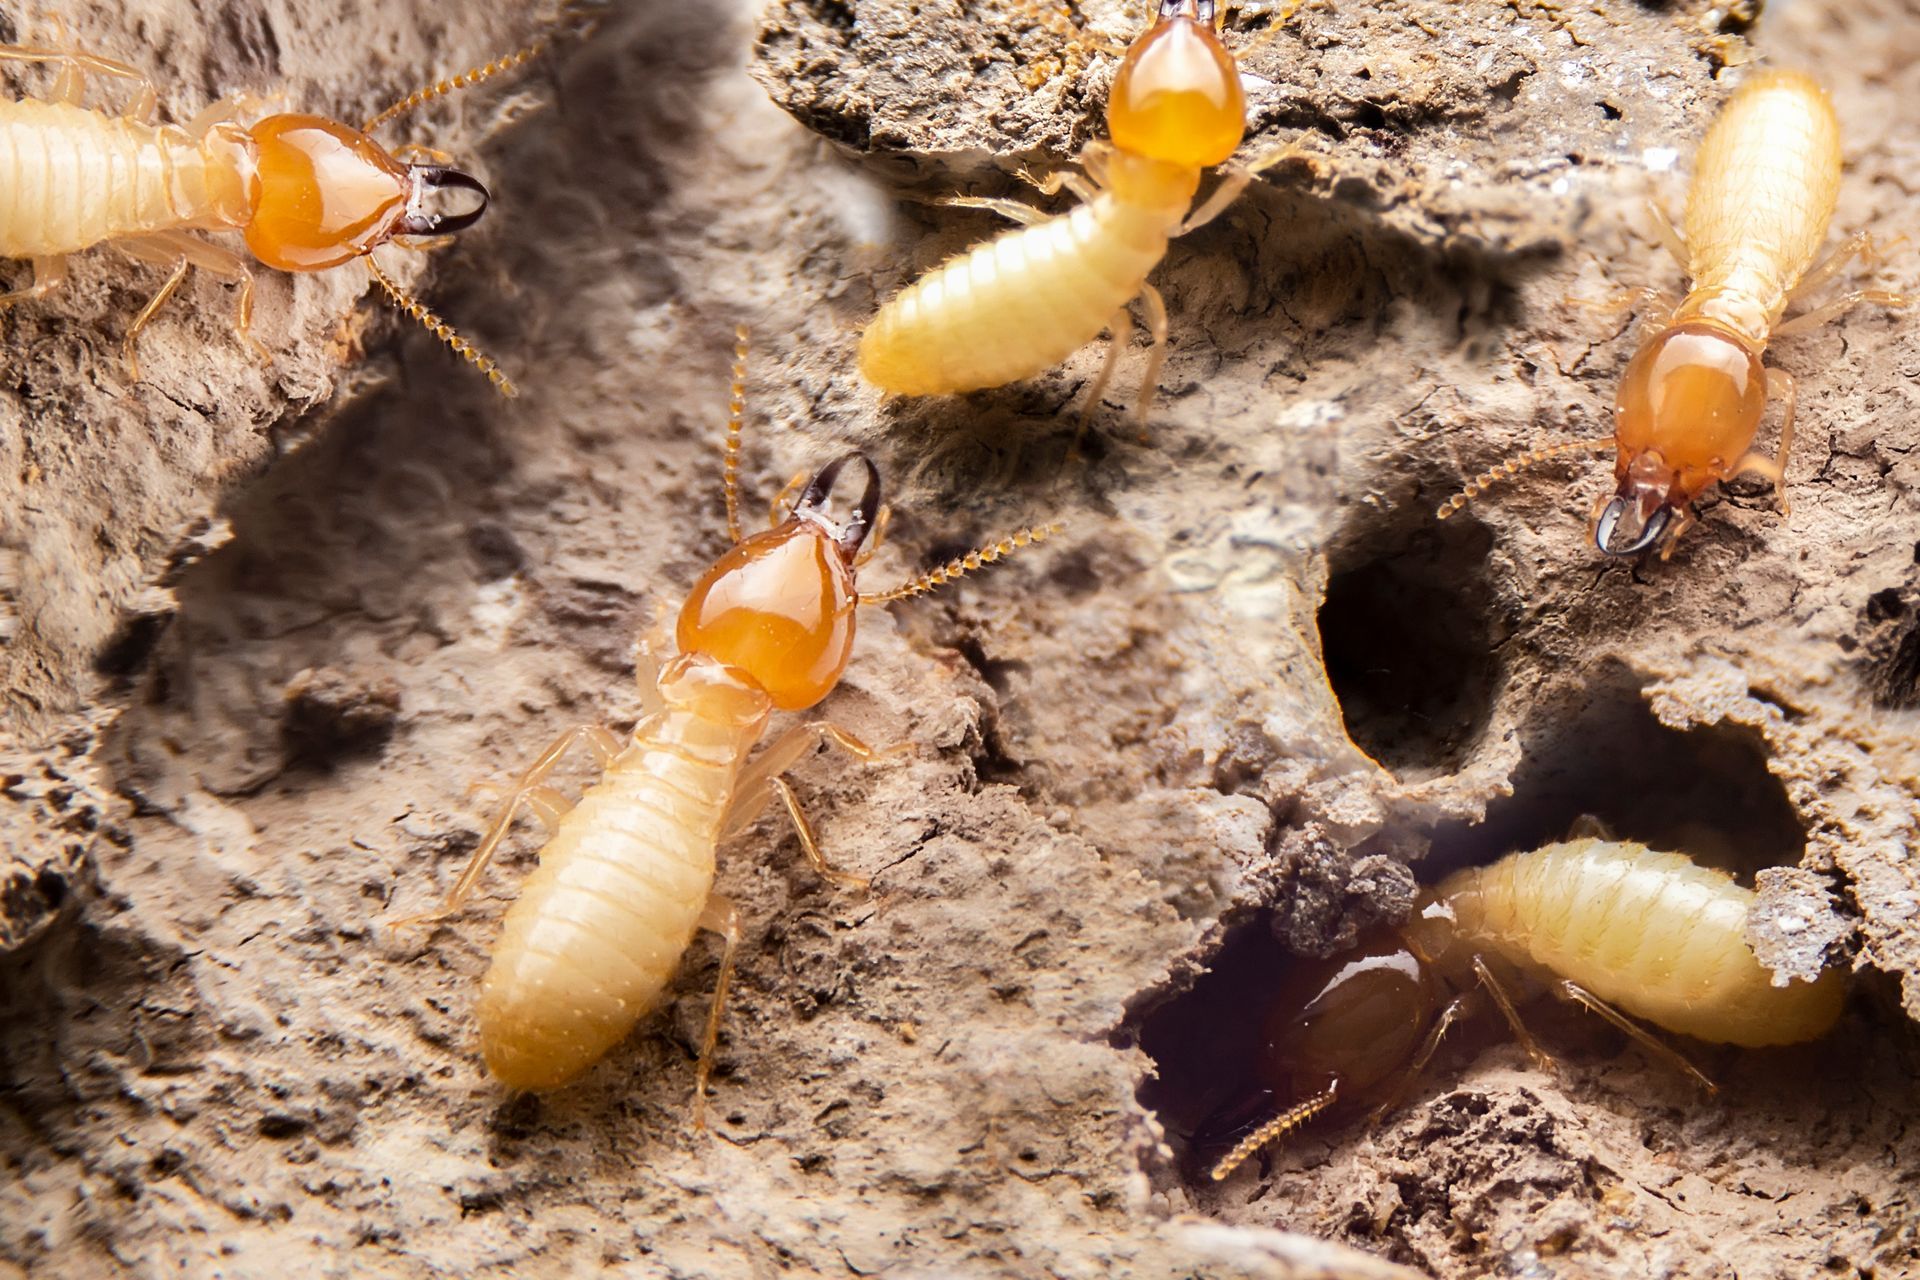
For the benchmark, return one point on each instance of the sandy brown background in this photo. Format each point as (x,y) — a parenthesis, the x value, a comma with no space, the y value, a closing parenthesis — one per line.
(264,624)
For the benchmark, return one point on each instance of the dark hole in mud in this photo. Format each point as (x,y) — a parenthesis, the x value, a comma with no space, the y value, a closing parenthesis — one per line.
(1408,637)
(1598,751)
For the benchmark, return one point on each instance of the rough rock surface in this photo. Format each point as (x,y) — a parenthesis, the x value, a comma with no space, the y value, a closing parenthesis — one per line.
(1251,693)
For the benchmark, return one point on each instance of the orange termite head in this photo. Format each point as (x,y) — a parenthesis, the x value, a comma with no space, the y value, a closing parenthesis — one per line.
(1689,404)
(1177,96)
(779,607)
(1354,1020)
(329,193)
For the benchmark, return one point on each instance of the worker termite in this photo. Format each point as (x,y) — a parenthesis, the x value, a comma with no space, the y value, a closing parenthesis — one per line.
(626,875)
(1022,302)
(306,192)
(1611,926)
(1764,187)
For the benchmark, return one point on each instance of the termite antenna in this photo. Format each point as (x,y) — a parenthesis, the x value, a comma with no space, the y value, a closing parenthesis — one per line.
(1513,466)
(963,565)
(465,80)
(442,330)
(736,417)
(1273,1130)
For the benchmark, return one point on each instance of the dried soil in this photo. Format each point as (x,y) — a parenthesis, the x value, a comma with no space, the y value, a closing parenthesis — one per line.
(1227,718)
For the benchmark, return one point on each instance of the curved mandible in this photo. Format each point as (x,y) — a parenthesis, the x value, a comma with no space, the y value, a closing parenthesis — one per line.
(1650,533)
(849,534)
(439,177)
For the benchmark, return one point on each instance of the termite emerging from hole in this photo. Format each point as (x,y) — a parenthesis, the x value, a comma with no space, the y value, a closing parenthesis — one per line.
(626,875)
(1612,926)
(307,193)
(1691,401)
(1021,303)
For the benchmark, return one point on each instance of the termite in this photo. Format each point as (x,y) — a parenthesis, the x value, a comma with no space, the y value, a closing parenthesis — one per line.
(1021,303)
(626,875)
(1764,187)
(307,193)
(1612,926)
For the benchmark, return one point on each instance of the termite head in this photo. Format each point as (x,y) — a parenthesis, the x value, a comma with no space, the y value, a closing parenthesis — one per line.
(779,606)
(329,193)
(1686,413)
(1355,1019)
(1177,96)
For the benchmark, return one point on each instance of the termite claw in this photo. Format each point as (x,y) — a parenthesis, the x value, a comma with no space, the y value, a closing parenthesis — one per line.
(439,177)
(1650,533)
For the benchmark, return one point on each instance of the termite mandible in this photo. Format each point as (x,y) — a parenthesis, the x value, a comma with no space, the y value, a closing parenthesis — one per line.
(1764,187)
(1021,303)
(306,192)
(1612,926)
(626,875)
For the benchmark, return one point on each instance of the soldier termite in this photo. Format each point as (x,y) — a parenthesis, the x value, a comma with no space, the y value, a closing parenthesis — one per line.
(626,875)
(1611,926)
(1022,302)
(306,192)
(1690,402)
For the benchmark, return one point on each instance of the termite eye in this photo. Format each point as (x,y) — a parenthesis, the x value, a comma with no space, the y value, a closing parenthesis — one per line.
(1177,97)
(779,608)
(328,193)
(1695,394)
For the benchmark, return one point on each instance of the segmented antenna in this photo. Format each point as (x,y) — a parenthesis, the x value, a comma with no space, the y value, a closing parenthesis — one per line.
(442,330)
(1273,1130)
(1514,466)
(736,415)
(963,565)
(465,80)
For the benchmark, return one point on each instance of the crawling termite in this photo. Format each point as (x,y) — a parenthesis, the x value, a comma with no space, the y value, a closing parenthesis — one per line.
(1764,187)
(627,873)
(1021,303)
(306,192)
(1609,925)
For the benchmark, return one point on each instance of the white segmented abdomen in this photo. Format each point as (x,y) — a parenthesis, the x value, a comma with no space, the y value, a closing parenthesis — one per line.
(1764,187)
(1651,933)
(71,178)
(599,927)
(1017,304)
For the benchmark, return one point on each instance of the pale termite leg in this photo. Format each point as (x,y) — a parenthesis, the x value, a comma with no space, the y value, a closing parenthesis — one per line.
(549,806)
(1273,1130)
(722,917)
(414,153)
(1780,385)
(70,86)
(811,846)
(1024,214)
(646,667)
(736,422)
(1859,245)
(876,539)
(1807,321)
(1079,184)
(1122,334)
(1157,328)
(178,250)
(1682,521)
(1541,1058)
(1669,236)
(48,274)
(782,504)
(605,745)
(219,112)
(1579,995)
(1233,182)
(1457,1008)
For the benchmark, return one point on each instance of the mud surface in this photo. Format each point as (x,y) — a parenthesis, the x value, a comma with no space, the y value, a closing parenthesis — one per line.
(1228,717)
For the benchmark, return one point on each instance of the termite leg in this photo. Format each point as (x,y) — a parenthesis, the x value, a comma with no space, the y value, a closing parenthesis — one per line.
(1122,334)
(1234,180)
(1156,356)
(1024,214)
(761,780)
(1780,384)
(723,918)
(549,806)
(1541,1058)
(646,667)
(70,87)
(221,111)
(605,745)
(1859,245)
(1457,1008)
(1670,237)
(875,540)
(48,274)
(1586,999)
(414,153)
(1810,320)
(810,846)
(1683,520)
(783,500)
(179,251)
(1079,184)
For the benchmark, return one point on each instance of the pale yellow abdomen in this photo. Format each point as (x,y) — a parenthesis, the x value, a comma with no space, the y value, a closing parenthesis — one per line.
(71,178)
(1764,186)
(1650,933)
(599,927)
(1017,304)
